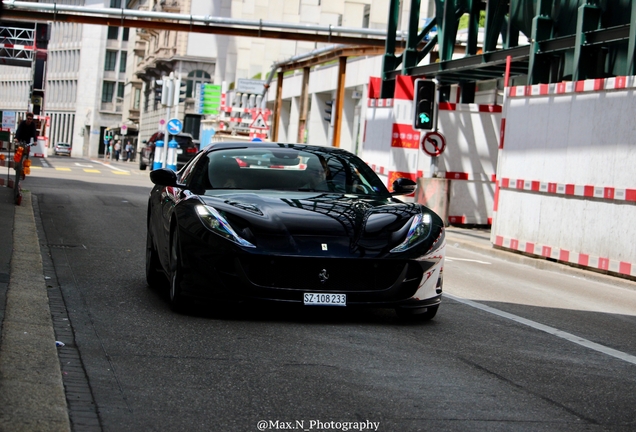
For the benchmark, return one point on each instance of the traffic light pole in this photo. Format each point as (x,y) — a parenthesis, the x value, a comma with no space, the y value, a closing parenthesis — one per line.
(435,159)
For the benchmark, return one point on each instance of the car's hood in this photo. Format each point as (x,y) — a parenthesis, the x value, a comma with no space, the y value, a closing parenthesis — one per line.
(305,221)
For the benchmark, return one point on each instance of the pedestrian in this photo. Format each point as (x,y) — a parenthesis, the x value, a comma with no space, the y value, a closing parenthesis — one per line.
(117,150)
(129,149)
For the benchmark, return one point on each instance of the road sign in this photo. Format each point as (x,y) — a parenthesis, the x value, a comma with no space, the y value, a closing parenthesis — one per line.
(124,129)
(8,120)
(174,126)
(433,143)
(208,99)
(250,86)
(259,122)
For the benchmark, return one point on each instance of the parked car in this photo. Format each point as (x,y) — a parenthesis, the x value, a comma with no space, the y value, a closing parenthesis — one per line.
(186,149)
(323,231)
(62,148)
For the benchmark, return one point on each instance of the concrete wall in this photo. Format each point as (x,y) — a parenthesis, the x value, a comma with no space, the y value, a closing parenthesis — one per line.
(566,180)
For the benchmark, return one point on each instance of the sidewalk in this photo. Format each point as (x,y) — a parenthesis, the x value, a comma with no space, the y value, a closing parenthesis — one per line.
(31,389)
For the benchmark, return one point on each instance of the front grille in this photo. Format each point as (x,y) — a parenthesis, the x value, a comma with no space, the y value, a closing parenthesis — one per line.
(344,275)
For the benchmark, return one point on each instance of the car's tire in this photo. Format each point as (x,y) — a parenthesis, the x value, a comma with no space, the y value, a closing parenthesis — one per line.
(142,165)
(177,301)
(417,314)
(154,274)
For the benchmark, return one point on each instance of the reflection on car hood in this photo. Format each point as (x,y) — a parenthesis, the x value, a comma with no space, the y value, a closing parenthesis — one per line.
(304,219)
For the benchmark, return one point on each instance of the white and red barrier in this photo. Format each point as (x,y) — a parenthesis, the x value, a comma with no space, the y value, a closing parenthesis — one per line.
(393,148)
(565,182)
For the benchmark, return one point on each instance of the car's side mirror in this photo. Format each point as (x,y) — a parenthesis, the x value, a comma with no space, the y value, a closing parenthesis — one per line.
(403,186)
(163,177)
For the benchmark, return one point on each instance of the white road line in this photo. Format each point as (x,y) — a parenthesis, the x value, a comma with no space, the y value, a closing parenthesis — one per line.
(45,164)
(467,260)
(112,168)
(550,330)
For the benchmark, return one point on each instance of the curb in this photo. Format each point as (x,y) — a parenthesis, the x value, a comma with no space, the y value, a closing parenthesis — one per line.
(31,390)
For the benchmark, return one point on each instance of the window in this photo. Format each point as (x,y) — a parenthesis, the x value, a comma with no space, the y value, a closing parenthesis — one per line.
(113,32)
(137,99)
(194,78)
(366,16)
(126,33)
(122,61)
(111,60)
(115,4)
(108,88)
(120,90)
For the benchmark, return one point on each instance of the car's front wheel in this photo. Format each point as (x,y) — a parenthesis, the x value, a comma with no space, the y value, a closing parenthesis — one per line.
(417,314)
(177,301)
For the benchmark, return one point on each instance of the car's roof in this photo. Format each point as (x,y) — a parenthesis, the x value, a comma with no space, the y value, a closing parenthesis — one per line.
(270,145)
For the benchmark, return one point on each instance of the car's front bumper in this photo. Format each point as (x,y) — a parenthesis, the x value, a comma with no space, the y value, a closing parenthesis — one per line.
(228,273)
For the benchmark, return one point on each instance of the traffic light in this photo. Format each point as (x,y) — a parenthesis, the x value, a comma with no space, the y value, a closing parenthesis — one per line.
(179,91)
(42,35)
(424,102)
(328,110)
(158,90)
(167,91)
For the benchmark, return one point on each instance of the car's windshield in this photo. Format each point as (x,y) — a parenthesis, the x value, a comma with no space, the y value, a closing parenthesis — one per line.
(291,169)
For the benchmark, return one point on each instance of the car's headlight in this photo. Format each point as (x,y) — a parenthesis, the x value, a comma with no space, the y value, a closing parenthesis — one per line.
(217,223)
(418,232)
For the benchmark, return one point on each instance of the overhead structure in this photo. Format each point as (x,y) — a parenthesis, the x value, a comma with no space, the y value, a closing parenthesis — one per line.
(25,44)
(305,62)
(573,40)
(43,12)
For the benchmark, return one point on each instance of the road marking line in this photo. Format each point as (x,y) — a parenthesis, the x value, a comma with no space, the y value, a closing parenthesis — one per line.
(468,260)
(550,330)
(91,170)
(121,172)
(62,169)
(109,166)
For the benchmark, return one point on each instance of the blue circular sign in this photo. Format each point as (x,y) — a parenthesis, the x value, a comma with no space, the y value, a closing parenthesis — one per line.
(174,126)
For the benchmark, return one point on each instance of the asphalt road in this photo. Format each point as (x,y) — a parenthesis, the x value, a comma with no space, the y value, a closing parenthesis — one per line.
(513,347)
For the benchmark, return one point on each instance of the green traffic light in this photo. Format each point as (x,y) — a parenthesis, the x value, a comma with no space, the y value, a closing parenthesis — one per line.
(424,118)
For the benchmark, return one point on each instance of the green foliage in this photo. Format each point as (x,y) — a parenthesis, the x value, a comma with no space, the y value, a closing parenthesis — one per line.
(463,21)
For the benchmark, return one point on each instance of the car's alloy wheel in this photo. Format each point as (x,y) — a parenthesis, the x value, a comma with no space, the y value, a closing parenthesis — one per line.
(416,314)
(177,302)
(154,276)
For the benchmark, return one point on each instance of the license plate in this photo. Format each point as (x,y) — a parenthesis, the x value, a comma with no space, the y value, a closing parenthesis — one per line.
(179,151)
(321,299)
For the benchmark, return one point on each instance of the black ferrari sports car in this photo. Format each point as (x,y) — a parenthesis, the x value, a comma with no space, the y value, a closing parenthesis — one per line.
(292,223)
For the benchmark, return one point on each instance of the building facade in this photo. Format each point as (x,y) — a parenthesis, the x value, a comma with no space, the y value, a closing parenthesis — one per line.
(102,81)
